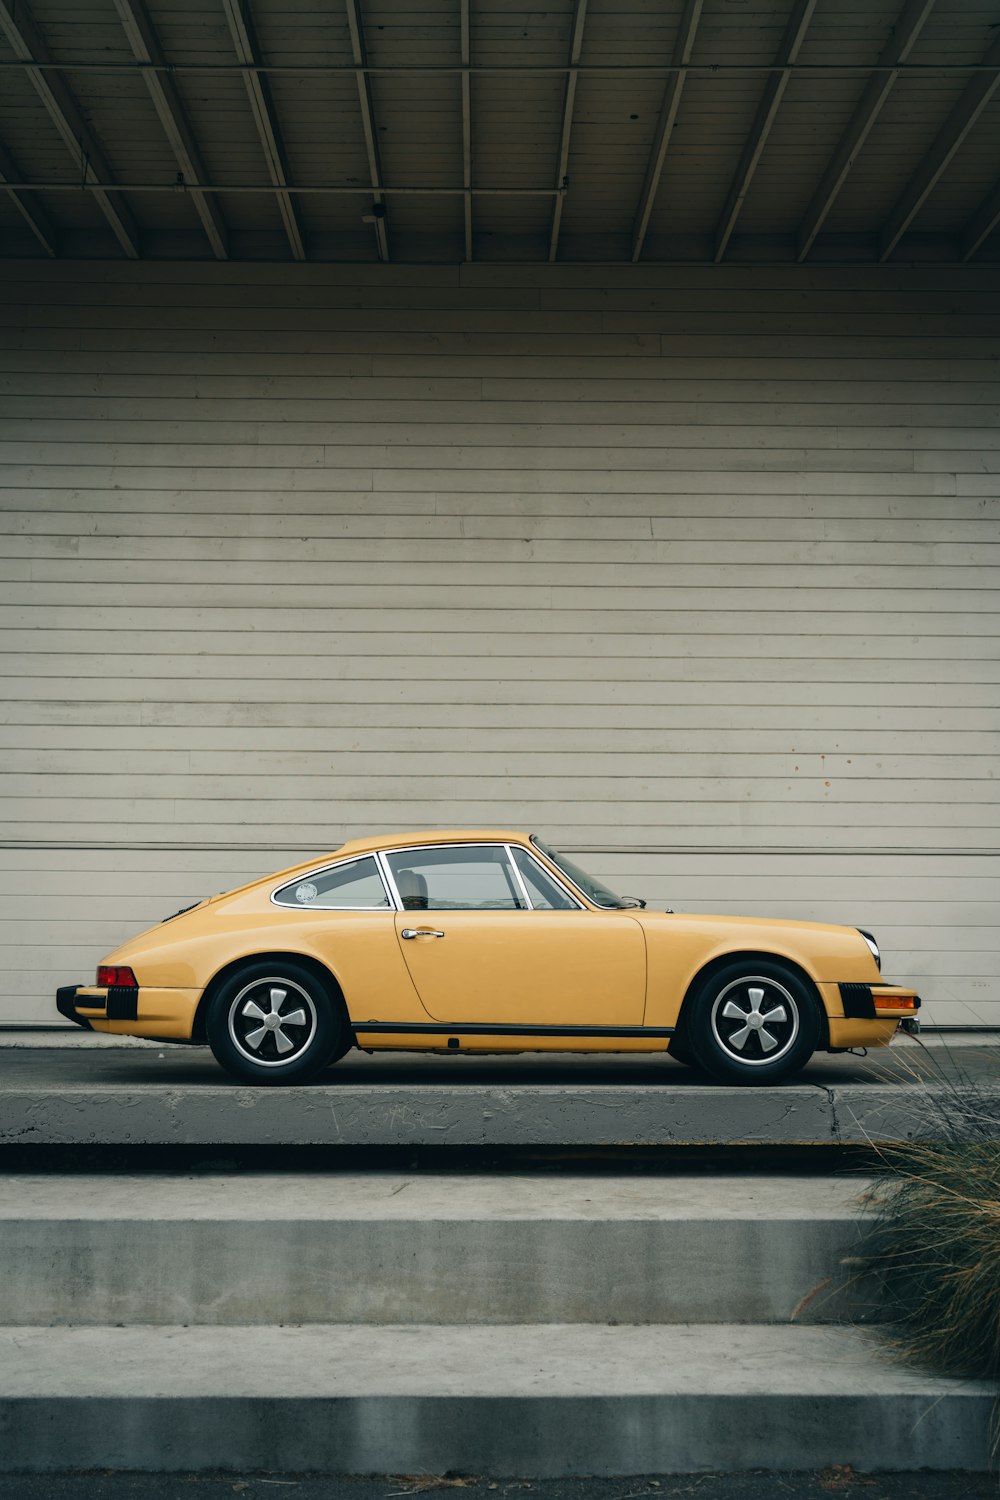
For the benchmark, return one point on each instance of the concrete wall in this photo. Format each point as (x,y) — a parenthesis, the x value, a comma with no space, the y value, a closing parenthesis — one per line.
(690,569)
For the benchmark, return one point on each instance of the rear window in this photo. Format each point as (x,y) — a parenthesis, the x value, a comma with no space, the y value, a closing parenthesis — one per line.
(356,886)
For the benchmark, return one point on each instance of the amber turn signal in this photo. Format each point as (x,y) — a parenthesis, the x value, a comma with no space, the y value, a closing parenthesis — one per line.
(895,1002)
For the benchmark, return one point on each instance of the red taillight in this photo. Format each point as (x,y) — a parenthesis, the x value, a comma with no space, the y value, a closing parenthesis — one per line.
(109,974)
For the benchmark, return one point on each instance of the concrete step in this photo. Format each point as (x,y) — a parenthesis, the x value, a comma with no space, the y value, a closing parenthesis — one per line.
(178,1096)
(515,1400)
(377,1248)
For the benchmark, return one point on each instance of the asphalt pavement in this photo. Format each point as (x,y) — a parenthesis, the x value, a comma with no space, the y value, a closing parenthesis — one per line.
(827,1484)
(51,1058)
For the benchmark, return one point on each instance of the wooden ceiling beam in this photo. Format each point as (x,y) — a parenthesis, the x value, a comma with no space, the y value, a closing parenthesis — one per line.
(982,224)
(368,126)
(26,203)
(265,118)
(29,47)
(146,48)
(466,45)
(569,104)
(767,111)
(972,101)
(876,91)
(683,44)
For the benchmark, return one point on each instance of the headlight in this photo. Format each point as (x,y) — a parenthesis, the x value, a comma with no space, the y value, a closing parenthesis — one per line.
(876,955)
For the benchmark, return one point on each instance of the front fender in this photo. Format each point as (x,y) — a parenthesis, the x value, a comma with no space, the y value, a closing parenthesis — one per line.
(680,948)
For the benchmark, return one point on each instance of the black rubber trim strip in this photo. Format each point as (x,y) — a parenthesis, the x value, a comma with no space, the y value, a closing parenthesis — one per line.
(858,1002)
(123,1002)
(477,1028)
(66,1006)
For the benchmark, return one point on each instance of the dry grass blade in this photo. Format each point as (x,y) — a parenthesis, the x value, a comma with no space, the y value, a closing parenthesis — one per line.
(935,1237)
(419,1484)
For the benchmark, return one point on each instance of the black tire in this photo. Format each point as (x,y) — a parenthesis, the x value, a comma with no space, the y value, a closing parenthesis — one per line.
(681,1053)
(753,1022)
(275,1022)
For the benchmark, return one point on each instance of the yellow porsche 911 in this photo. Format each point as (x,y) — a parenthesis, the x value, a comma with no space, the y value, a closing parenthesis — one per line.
(484,942)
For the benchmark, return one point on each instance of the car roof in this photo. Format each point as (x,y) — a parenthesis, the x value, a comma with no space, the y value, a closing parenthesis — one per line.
(385,841)
(434,836)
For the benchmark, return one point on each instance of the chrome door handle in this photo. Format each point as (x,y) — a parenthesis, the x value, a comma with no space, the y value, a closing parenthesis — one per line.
(415,932)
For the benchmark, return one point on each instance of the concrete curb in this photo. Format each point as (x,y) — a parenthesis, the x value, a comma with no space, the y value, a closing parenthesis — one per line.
(545,1400)
(467,1114)
(429,1249)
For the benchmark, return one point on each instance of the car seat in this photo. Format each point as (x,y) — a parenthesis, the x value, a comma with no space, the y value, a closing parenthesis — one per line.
(412,890)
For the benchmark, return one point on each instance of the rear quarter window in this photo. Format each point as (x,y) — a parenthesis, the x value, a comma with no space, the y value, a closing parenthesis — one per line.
(357,886)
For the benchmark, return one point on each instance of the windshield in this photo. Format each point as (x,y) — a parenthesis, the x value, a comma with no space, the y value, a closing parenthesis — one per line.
(592,888)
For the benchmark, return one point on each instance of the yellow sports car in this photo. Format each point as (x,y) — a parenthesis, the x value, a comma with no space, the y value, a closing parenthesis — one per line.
(484,942)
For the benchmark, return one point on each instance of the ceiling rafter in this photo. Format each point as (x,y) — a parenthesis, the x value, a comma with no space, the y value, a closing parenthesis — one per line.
(304,190)
(704,69)
(971,102)
(981,225)
(683,45)
(876,91)
(466,44)
(26,203)
(767,111)
(29,47)
(368,125)
(241,28)
(145,45)
(569,104)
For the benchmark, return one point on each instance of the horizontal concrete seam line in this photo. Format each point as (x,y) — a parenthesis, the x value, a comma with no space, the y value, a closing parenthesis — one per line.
(776,1216)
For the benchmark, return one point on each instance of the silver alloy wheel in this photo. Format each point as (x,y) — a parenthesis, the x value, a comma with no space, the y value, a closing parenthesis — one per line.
(272,1021)
(755,1020)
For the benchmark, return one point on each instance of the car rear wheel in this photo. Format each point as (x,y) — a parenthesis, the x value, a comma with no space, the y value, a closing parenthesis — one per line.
(273,1023)
(753,1022)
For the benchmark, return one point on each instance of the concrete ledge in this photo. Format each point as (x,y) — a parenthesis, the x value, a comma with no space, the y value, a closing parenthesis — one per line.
(382,1248)
(461,1115)
(466,1115)
(178,1096)
(546,1400)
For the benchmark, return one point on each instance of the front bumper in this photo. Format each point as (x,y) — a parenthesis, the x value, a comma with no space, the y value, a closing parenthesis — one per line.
(872,1002)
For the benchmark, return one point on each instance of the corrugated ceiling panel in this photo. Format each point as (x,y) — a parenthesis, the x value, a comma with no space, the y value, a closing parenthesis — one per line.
(900,138)
(516,121)
(973,173)
(308,31)
(520,33)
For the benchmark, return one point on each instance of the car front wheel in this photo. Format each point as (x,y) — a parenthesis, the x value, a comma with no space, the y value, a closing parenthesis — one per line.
(274,1023)
(754,1022)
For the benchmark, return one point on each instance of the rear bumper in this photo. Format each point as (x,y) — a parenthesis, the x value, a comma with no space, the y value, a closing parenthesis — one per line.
(166,1014)
(84,1003)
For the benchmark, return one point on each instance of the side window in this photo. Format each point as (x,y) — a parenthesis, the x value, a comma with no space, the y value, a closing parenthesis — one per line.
(357,886)
(545,894)
(462,878)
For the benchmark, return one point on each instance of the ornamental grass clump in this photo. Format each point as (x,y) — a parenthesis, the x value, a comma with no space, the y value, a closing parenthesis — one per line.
(935,1238)
(936,1244)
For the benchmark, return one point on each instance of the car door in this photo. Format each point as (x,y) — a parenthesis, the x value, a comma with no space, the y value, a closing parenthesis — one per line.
(477,952)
